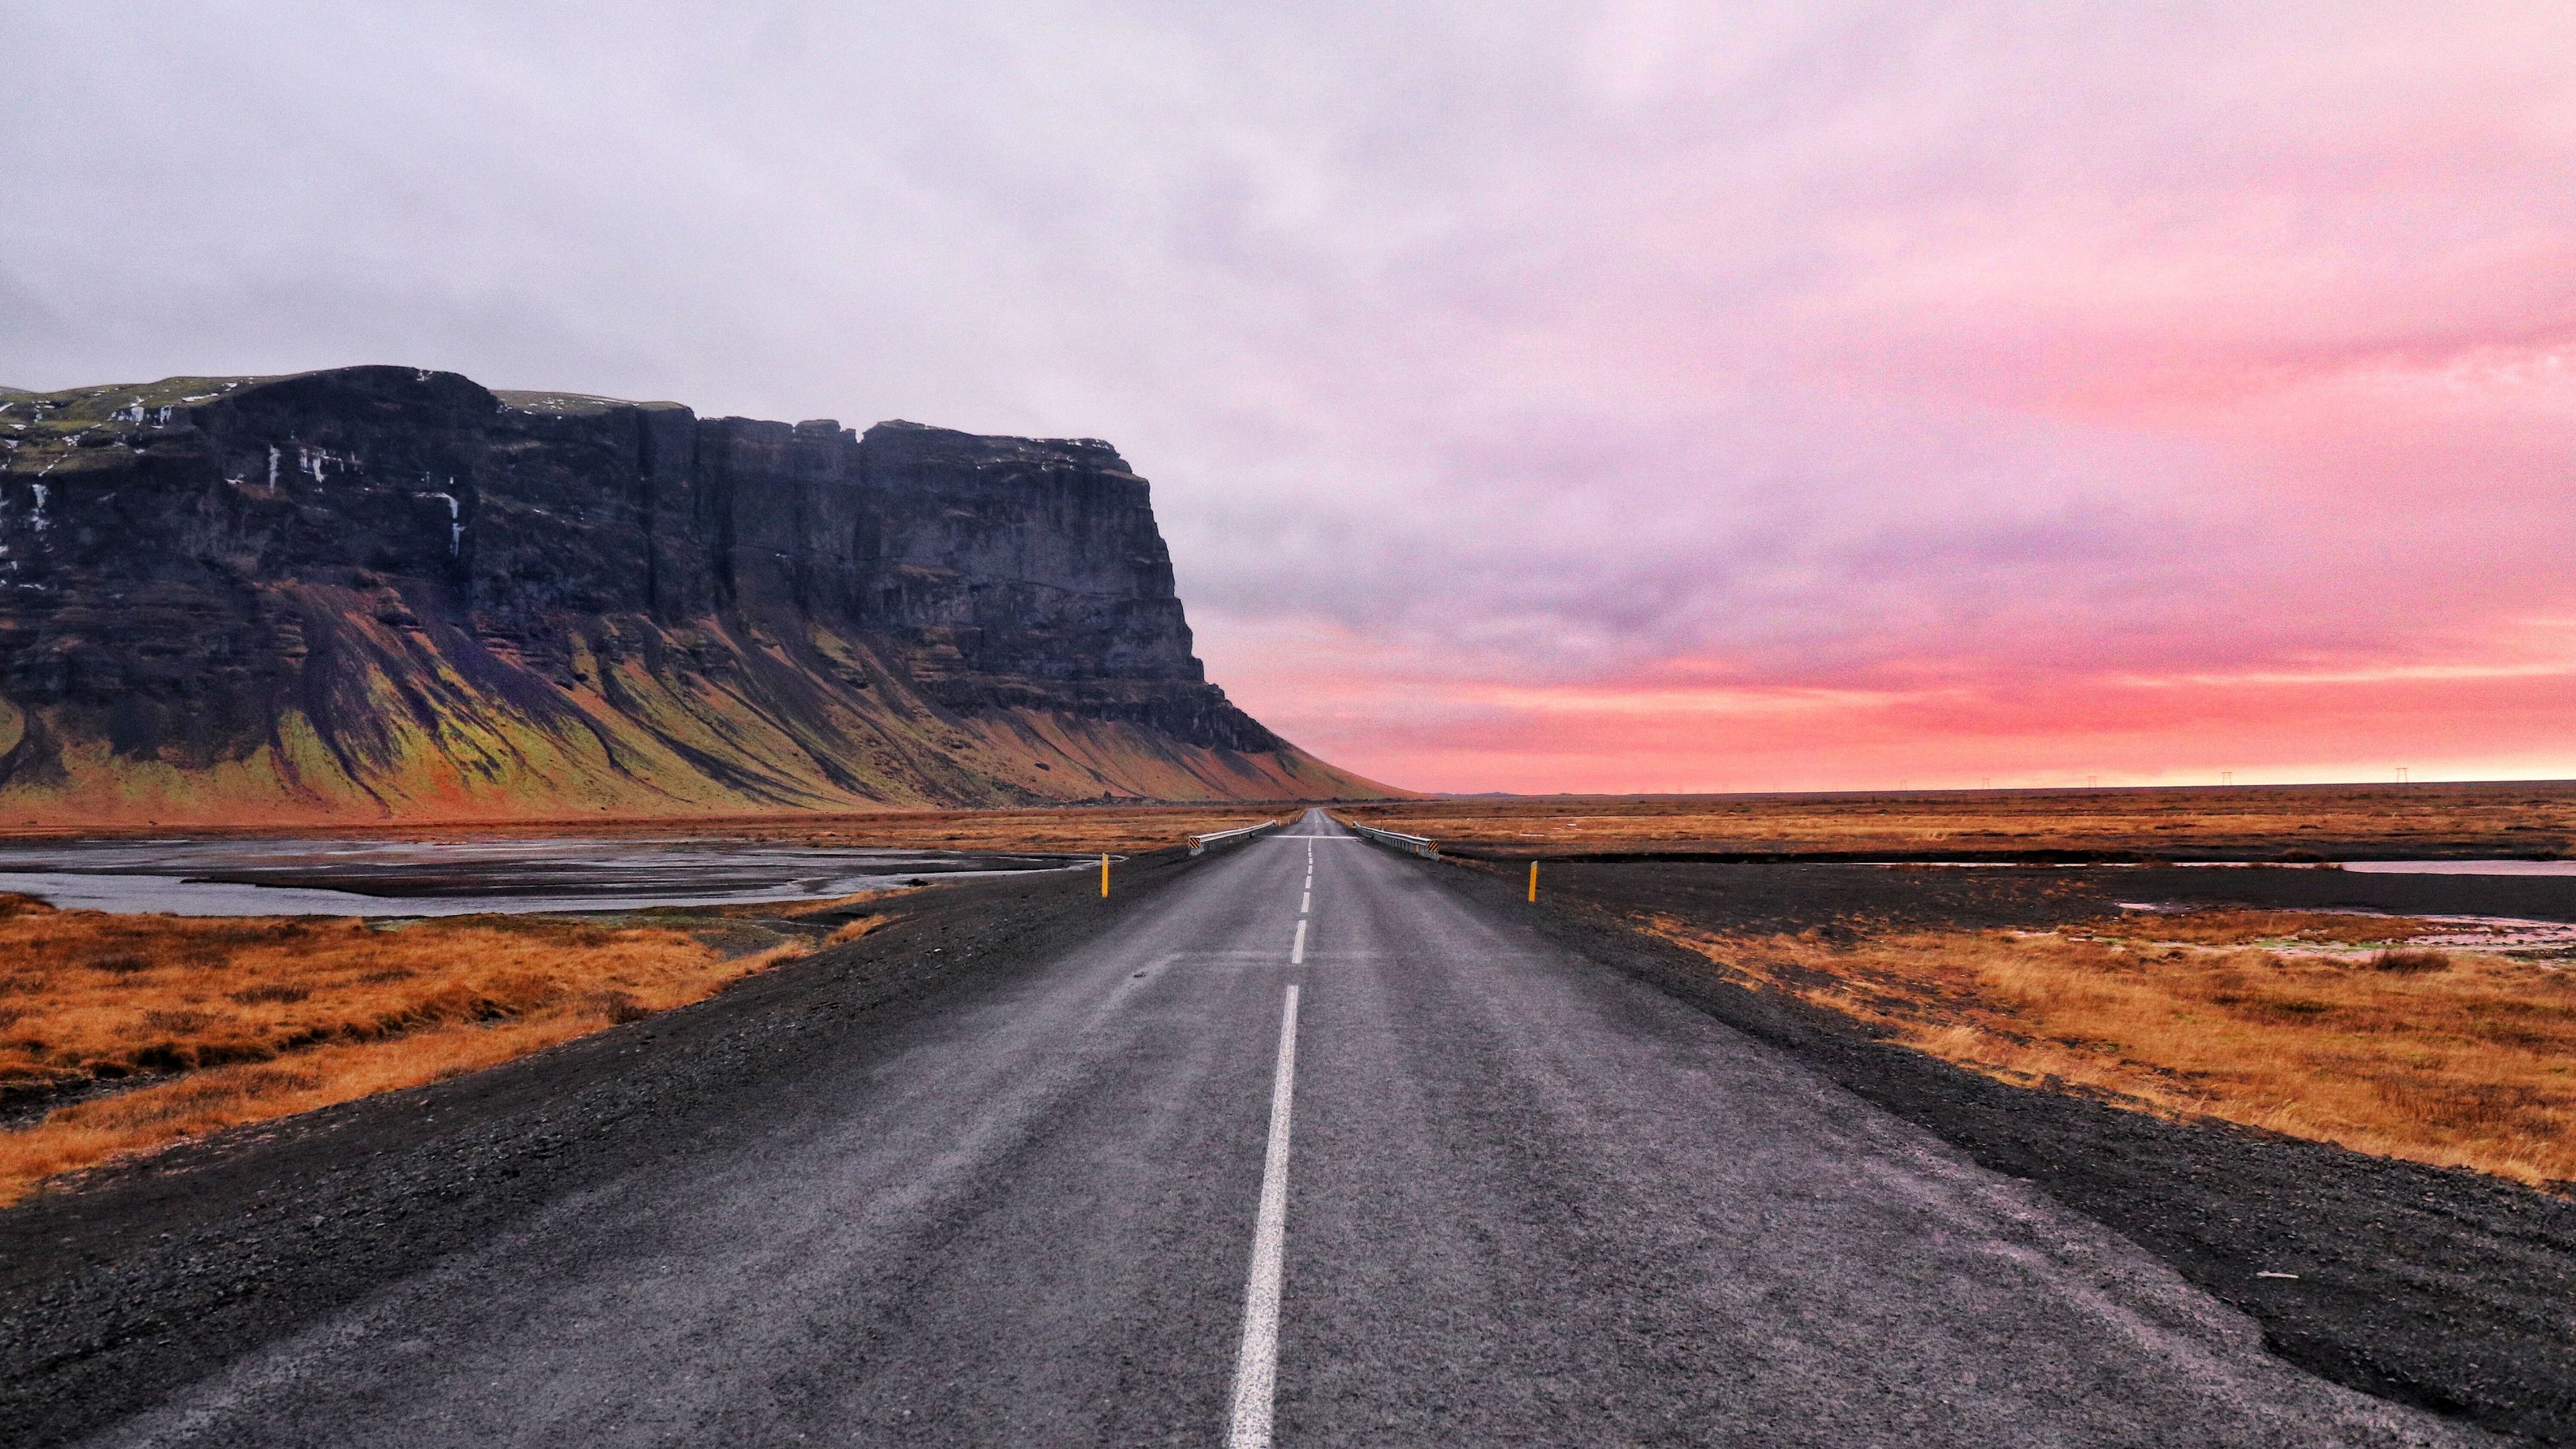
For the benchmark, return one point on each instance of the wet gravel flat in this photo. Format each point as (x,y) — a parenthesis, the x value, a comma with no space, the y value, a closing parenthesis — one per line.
(2526,897)
(355,877)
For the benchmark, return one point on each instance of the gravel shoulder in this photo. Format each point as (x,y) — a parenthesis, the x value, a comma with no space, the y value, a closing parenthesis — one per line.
(142,1277)
(2442,1289)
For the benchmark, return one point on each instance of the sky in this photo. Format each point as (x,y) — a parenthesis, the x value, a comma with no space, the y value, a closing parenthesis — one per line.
(1584,397)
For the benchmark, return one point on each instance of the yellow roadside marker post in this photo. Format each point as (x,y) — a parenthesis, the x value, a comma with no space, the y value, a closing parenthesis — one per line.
(1104,875)
(1533,882)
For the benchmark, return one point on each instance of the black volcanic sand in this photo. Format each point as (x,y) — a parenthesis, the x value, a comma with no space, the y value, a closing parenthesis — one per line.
(2527,897)
(2445,1289)
(1791,897)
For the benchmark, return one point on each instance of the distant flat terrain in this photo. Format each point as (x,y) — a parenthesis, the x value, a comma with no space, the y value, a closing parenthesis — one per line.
(2511,818)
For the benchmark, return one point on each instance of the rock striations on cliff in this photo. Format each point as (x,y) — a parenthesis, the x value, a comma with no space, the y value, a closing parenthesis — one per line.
(382,592)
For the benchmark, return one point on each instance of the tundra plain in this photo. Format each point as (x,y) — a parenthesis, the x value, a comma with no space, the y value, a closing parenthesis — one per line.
(2514,818)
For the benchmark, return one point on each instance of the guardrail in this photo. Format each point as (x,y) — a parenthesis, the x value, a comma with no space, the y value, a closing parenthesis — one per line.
(1392,840)
(1200,843)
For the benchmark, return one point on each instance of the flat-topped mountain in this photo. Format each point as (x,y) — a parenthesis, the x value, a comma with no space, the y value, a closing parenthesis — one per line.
(382,592)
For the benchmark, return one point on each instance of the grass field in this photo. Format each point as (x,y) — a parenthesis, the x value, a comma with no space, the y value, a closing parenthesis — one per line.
(2512,819)
(148,1029)
(2423,1040)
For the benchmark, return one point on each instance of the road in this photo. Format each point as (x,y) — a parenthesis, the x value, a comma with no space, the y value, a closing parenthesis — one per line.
(1312,1151)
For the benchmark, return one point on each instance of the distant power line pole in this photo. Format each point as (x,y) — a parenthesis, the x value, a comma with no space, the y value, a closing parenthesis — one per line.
(2401,774)
(2227,777)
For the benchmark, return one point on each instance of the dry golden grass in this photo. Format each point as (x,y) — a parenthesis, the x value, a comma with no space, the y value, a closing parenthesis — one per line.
(773,910)
(2237,926)
(2503,819)
(1074,829)
(221,1022)
(2459,1058)
(853,930)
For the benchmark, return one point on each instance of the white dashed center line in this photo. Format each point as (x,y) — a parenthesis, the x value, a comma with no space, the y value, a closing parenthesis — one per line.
(1256,1364)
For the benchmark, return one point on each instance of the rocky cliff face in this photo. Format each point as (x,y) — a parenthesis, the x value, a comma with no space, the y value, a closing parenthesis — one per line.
(379,591)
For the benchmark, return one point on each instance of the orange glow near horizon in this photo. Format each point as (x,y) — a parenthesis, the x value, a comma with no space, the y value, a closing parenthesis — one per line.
(2437,722)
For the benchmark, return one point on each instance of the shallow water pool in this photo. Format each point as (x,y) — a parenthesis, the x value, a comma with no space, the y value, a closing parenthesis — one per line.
(447,878)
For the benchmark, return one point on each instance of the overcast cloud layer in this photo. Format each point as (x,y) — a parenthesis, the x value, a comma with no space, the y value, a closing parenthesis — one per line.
(1544,397)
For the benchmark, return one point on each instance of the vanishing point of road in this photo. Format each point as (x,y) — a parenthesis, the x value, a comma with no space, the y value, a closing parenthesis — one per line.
(1310,1150)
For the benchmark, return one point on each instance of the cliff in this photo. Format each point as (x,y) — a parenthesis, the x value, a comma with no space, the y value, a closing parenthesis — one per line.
(378,592)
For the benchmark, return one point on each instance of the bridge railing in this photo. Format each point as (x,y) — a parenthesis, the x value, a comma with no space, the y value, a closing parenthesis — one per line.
(1200,843)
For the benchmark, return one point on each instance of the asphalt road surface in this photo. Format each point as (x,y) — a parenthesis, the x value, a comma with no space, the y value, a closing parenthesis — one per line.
(1310,1151)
